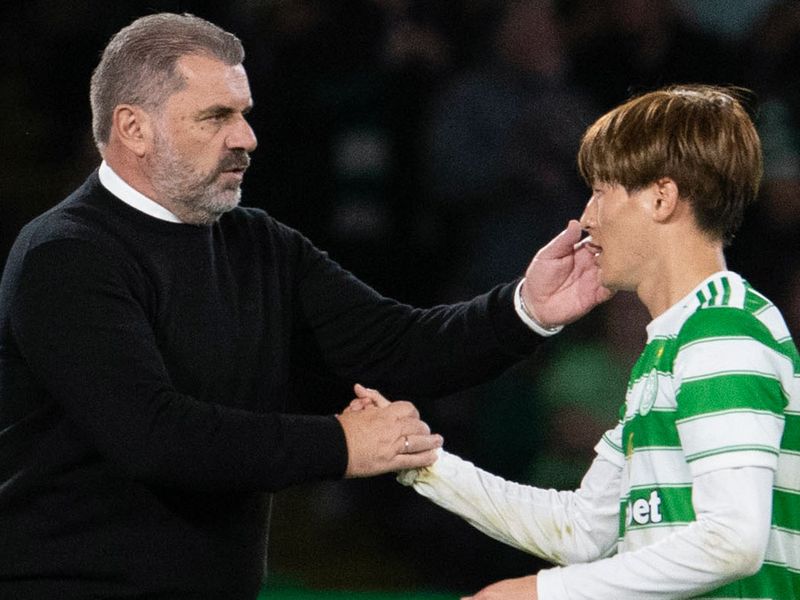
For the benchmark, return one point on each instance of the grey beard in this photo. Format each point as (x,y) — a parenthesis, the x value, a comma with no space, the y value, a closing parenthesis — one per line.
(193,201)
(208,207)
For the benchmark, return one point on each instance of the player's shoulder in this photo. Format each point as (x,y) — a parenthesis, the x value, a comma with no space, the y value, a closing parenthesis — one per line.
(728,306)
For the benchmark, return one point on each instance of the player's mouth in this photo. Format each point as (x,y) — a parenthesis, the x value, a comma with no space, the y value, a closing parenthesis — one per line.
(595,249)
(590,245)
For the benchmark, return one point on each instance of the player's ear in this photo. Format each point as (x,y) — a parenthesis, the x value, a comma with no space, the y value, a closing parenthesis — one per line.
(666,199)
(132,126)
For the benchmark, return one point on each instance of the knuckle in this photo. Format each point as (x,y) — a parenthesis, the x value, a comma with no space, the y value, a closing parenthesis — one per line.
(421,428)
(406,407)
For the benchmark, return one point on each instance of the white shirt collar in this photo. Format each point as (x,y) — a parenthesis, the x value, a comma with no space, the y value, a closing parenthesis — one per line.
(117,186)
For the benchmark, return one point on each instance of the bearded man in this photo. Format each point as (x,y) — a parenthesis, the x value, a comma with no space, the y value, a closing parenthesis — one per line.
(149,326)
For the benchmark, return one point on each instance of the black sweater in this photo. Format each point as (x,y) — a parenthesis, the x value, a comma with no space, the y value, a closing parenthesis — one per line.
(144,373)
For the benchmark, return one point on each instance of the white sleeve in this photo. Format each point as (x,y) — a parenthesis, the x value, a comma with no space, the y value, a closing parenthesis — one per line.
(562,527)
(726,542)
(522,313)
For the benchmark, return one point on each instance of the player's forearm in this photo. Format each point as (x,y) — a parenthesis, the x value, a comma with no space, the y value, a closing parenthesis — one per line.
(727,542)
(561,527)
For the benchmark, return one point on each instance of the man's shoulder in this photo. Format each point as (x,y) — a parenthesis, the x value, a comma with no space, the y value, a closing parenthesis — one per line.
(246,216)
(256,225)
(72,218)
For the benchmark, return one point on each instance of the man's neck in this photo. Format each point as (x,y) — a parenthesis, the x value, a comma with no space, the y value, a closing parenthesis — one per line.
(115,184)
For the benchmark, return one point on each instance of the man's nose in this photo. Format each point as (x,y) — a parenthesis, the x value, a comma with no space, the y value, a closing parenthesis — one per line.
(241,136)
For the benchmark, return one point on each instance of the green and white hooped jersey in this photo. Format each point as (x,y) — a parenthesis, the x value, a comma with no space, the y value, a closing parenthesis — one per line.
(717,386)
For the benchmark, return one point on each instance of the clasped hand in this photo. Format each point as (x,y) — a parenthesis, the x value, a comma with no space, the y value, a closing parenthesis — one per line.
(385,436)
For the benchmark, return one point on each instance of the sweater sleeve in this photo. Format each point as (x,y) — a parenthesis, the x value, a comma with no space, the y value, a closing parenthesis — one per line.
(399,349)
(87,340)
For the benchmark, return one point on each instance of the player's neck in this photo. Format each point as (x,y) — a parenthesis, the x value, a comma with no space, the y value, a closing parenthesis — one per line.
(680,268)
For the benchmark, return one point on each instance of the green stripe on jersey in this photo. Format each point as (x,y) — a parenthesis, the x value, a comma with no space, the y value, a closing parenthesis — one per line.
(656,429)
(754,302)
(701,297)
(789,349)
(725,322)
(648,507)
(726,291)
(712,293)
(730,449)
(659,354)
(791,433)
(772,582)
(730,391)
(786,510)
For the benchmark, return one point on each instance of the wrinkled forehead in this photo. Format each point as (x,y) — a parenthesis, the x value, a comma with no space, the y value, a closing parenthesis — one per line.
(208,82)
(206,74)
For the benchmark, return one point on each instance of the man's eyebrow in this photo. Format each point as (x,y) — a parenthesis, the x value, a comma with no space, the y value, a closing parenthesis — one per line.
(221,110)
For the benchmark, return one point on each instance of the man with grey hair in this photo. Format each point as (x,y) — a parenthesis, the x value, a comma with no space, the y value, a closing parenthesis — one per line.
(143,69)
(149,327)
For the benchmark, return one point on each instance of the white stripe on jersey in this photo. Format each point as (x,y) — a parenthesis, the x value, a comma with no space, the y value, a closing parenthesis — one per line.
(773,320)
(667,466)
(793,408)
(748,429)
(609,448)
(665,398)
(710,356)
(722,354)
(738,291)
(646,536)
(788,475)
(733,460)
(720,292)
(784,548)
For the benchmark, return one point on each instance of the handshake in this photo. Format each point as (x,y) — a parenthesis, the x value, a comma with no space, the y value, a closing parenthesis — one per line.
(385,436)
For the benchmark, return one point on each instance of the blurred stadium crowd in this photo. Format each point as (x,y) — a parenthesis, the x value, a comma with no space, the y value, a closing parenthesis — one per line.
(429,146)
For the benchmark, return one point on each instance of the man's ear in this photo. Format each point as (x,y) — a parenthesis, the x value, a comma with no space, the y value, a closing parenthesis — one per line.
(666,199)
(133,127)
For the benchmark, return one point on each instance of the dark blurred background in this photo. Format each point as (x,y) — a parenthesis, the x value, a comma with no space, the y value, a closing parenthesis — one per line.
(429,146)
